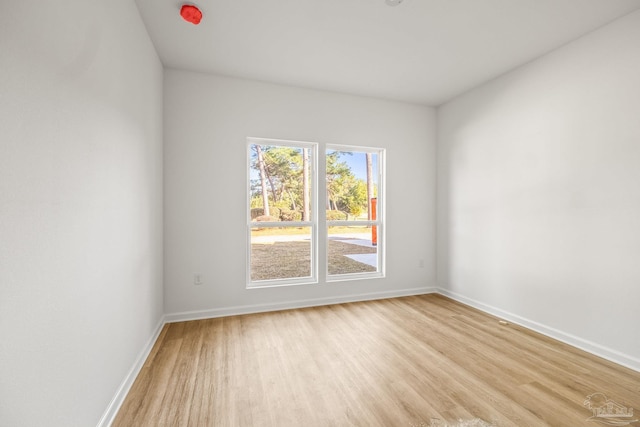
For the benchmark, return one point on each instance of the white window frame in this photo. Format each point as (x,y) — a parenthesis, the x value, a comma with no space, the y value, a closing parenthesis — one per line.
(313,223)
(379,222)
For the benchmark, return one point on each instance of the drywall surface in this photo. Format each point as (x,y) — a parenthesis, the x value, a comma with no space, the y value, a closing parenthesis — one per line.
(207,122)
(80,206)
(538,191)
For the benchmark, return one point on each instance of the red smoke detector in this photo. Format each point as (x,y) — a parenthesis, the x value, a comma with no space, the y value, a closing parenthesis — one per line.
(191,13)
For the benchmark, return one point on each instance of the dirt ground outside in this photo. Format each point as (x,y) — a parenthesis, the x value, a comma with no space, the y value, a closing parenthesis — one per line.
(289,259)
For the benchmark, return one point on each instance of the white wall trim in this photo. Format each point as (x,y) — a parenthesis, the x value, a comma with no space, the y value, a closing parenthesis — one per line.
(588,346)
(262,308)
(123,390)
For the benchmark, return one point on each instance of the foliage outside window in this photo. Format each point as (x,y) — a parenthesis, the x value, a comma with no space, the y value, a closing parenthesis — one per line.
(282,218)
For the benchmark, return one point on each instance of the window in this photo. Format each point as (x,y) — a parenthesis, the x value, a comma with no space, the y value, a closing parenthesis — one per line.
(354,225)
(282,217)
(283,213)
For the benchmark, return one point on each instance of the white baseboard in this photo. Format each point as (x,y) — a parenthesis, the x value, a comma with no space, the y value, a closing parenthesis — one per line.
(262,308)
(588,346)
(118,399)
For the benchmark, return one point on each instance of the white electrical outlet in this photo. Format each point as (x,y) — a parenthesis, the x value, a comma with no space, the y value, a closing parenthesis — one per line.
(197,279)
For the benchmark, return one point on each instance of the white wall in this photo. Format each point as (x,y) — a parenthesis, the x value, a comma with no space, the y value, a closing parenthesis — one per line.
(207,121)
(80,206)
(539,193)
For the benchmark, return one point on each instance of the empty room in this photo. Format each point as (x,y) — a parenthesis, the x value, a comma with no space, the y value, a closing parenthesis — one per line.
(319,213)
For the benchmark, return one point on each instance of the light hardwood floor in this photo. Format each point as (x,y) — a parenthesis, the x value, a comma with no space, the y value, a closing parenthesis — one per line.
(414,361)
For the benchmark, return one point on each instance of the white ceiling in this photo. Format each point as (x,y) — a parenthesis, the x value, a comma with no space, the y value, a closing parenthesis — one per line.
(422,51)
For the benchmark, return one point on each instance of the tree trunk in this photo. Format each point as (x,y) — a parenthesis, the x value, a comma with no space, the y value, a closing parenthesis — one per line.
(305,184)
(369,184)
(293,201)
(263,181)
(274,194)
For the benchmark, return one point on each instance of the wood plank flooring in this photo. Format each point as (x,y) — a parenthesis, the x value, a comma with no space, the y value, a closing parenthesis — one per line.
(413,361)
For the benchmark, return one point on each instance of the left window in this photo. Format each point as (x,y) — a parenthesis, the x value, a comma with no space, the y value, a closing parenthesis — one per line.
(281,212)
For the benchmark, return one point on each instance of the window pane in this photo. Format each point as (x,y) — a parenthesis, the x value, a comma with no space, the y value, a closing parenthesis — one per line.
(280,253)
(280,183)
(352,181)
(352,250)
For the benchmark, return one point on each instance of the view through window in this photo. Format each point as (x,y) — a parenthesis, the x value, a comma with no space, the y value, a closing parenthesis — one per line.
(354,215)
(282,218)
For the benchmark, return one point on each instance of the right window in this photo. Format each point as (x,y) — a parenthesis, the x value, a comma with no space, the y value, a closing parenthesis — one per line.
(355,212)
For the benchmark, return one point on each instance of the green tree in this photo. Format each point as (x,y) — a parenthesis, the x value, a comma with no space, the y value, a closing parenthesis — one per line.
(284,166)
(281,176)
(263,178)
(344,191)
(337,172)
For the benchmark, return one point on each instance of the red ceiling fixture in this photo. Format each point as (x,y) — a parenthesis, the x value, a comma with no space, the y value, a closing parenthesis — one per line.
(191,13)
